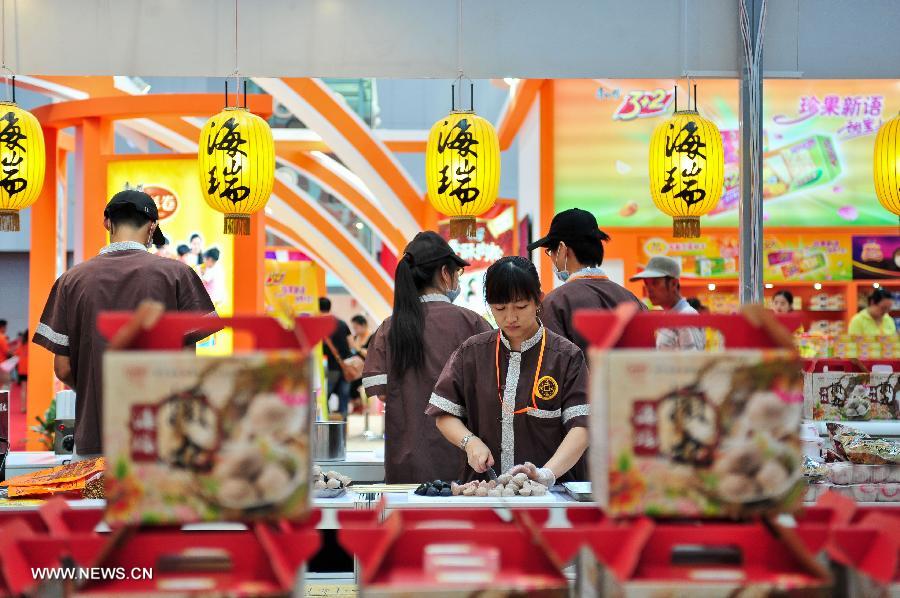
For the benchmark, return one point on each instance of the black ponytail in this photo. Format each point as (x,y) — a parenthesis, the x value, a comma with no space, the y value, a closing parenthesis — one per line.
(408,321)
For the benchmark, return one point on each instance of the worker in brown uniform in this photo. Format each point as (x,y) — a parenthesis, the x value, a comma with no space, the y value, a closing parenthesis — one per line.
(407,354)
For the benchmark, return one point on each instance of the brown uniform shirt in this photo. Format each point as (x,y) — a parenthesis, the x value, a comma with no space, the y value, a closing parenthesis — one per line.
(590,291)
(123,275)
(414,449)
(467,389)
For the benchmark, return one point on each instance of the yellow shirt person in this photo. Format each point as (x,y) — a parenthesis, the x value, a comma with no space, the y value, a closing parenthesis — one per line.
(876,319)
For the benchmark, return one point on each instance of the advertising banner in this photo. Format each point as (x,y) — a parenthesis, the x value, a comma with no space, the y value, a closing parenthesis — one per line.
(876,257)
(710,256)
(818,137)
(798,257)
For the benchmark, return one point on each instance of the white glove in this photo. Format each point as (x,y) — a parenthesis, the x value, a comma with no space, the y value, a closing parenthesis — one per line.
(545,476)
(542,475)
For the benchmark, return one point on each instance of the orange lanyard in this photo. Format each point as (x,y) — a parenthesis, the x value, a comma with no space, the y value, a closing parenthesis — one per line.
(537,374)
(590,277)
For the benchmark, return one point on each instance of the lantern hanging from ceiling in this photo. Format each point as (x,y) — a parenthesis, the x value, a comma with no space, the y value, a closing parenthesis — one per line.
(236,166)
(887,165)
(22,160)
(687,169)
(462,168)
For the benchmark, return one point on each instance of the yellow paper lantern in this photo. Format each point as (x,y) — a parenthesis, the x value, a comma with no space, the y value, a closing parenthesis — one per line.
(22,160)
(887,165)
(687,169)
(237,166)
(462,168)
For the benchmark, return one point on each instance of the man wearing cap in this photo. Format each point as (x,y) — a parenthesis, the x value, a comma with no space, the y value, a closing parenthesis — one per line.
(575,247)
(661,279)
(122,276)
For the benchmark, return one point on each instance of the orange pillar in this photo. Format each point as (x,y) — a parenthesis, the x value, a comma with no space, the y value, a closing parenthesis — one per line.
(249,274)
(93,140)
(41,276)
(548,176)
(321,280)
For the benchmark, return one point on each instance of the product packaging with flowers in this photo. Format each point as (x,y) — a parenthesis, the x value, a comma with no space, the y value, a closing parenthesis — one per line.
(696,434)
(191,438)
(847,396)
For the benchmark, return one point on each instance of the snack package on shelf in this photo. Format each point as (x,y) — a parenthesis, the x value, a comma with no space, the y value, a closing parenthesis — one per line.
(824,340)
(859,448)
(844,473)
(64,479)
(838,396)
(866,493)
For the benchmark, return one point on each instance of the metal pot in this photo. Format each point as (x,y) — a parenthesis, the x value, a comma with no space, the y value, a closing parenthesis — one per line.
(330,441)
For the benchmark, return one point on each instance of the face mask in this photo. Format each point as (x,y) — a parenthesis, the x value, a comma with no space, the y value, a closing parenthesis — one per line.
(562,275)
(452,294)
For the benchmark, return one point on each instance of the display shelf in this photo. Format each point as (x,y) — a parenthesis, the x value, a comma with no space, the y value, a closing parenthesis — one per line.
(875,427)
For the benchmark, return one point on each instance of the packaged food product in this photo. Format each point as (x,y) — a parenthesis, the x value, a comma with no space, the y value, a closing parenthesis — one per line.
(72,472)
(70,478)
(841,473)
(866,492)
(889,493)
(194,438)
(696,434)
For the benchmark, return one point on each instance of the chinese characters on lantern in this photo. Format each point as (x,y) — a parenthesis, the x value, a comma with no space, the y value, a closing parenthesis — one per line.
(11,135)
(228,140)
(689,144)
(460,140)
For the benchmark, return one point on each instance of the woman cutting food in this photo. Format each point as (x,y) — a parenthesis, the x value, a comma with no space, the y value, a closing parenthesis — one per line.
(517,395)
(407,353)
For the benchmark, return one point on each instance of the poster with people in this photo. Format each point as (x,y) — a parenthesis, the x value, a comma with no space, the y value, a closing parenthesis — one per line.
(193,231)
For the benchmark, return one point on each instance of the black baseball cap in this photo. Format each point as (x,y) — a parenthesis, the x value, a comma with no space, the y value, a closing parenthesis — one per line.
(567,226)
(141,203)
(429,247)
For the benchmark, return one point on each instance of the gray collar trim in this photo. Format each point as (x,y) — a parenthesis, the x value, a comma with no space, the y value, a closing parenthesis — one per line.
(123,246)
(528,344)
(589,271)
(434,297)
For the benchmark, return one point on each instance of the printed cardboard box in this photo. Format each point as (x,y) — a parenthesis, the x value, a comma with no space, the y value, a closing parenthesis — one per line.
(839,396)
(695,434)
(191,438)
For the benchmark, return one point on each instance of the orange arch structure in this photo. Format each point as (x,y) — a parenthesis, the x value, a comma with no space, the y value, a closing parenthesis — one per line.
(352,140)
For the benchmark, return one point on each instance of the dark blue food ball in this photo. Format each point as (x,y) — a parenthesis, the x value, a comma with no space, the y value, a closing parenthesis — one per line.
(446,492)
(438,483)
(432,491)
(422,489)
